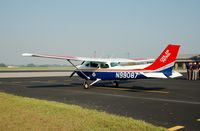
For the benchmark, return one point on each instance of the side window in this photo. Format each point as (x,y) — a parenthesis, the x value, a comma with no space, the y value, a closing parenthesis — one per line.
(103,65)
(95,65)
(114,64)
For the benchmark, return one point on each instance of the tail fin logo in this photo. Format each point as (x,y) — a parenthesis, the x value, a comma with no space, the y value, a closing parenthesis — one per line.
(166,55)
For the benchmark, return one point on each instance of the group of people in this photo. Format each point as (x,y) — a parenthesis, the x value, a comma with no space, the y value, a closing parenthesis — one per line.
(193,71)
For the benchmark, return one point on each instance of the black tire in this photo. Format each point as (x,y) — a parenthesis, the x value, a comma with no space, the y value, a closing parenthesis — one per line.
(116,84)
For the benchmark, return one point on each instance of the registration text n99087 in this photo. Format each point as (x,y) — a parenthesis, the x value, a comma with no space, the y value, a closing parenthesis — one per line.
(126,75)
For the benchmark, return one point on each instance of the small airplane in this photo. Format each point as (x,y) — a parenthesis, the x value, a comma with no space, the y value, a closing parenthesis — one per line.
(97,69)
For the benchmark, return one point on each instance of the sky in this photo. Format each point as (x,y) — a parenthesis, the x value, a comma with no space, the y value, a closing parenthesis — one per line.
(107,28)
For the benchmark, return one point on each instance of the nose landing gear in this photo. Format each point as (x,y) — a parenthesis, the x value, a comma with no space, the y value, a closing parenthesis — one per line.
(86,85)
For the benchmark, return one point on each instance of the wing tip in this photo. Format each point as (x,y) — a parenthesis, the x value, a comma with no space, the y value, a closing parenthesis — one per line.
(27,54)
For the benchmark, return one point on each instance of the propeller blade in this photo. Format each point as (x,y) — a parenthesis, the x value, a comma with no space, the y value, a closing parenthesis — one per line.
(72,74)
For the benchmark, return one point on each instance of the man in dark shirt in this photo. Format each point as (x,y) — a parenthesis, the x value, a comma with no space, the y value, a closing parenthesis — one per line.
(188,70)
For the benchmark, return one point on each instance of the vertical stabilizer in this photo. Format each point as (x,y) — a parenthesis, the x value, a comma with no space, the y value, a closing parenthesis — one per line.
(165,62)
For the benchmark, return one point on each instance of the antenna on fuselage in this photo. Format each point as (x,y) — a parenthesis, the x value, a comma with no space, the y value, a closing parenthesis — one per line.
(95,54)
(128,55)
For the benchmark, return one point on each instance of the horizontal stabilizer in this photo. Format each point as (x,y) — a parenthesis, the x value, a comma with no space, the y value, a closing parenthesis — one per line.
(155,75)
(175,74)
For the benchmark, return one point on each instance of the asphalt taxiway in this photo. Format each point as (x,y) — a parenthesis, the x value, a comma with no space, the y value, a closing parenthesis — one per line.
(164,102)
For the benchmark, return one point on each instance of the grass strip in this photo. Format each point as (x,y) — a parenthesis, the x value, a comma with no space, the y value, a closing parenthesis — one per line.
(21,113)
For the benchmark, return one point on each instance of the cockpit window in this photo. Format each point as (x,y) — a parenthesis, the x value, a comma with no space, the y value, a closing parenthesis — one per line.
(113,64)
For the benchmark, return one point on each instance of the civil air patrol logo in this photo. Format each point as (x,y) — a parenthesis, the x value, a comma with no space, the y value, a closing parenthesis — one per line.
(93,74)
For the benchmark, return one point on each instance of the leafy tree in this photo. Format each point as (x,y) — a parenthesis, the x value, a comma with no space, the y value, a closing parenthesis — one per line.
(2,65)
(31,65)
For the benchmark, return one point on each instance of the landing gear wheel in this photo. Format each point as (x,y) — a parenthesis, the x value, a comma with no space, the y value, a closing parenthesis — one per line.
(116,84)
(86,85)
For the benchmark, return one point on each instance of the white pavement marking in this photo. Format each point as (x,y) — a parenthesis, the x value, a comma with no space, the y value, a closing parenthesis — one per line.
(143,98)
(34,81)
(17,82)
(127,89)
(51,81)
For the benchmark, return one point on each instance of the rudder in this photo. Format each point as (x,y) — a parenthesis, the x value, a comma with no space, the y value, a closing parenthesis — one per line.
(165,62)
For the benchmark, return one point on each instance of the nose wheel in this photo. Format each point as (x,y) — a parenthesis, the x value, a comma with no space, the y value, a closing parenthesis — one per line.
(86,85)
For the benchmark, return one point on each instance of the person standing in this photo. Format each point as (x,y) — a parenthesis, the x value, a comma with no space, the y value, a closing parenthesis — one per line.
(195,71)
(198,65)
(188,70)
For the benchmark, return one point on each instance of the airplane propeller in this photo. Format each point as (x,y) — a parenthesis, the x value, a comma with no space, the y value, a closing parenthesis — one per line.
(72,74)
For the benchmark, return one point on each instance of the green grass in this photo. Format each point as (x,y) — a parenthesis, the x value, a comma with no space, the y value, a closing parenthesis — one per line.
(35,68)
(20,113)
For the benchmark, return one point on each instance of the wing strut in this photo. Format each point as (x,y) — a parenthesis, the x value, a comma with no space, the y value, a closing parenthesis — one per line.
(79,70)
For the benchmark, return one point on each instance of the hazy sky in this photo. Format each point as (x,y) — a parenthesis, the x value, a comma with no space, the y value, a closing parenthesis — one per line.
(110,27)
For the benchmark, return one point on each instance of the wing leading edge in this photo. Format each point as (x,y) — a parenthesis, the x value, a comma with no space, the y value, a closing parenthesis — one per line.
(87,58)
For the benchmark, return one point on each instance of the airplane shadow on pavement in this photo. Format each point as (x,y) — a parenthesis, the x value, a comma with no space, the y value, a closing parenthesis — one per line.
(126,86)
(51,86)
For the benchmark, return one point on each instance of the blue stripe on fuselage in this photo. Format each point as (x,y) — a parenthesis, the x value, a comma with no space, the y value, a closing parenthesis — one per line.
(111,75)
(123,75)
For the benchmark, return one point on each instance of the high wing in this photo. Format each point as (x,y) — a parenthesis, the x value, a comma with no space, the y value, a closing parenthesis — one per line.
(88,58)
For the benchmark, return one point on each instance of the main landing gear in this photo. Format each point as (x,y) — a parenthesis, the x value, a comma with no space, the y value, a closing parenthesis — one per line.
(86,85)
(116,84)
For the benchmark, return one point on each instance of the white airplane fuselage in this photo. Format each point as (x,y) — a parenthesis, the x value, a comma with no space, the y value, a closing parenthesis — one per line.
(109,71)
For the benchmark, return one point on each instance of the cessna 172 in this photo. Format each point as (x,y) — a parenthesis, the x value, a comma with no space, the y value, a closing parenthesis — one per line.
(97,69)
